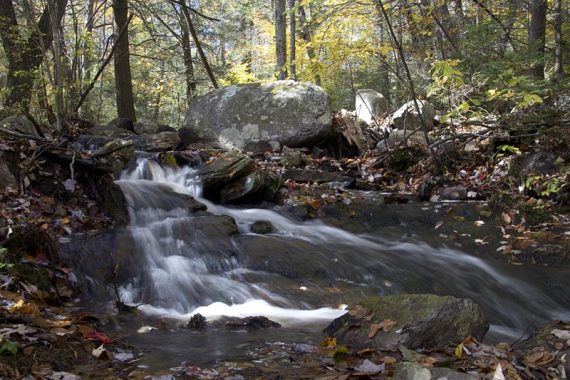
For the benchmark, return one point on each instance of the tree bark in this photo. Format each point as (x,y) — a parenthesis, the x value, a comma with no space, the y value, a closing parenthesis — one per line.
(306,35)
(280,38)
(88,61)
(123,79)
(292,43)
(25,53)
(188,64)
(537,37)
(558,21)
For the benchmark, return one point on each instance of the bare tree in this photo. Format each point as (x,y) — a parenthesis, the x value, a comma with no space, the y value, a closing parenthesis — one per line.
(558,20)
(537,37)
(25,52)
(280,38)
(292,37)
(123,80)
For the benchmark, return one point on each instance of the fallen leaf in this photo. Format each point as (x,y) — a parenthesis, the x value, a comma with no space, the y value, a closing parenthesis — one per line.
(369,368)
(427,361)
(498,375)
(98,337)
(329,342)
(97,352)
(28,308)
(459,351)
(438,224)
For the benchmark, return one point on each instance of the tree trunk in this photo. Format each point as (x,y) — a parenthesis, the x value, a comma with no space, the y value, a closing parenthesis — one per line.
(536,37)
(25,54)
(306,35)
(123,80)
(292,43)
(558,20)
(87,59)
(188,64)
(280,39)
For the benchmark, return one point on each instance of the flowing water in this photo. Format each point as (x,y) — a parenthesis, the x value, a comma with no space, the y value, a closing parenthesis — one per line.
(188,263)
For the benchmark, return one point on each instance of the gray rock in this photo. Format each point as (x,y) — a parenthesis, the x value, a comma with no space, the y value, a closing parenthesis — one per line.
(108,131)
(406,117)
(414,371)
(262,227)
(20,124)
(369,105)
(146,127)
(541,163)
(161,141)
(397,136)
(258,148)
(255,187)
(290,113)
(116,153)
(122,123)
(292,158)
(300,175)
(454,193)
(421,321)
(8,179)
(223,170)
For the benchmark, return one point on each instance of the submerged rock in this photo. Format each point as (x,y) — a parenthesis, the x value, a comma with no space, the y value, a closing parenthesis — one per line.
(262,227)
(413,320)
(289,113)
(198,322)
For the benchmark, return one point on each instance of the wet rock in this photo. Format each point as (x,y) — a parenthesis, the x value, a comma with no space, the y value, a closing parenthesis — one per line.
(108,131)
(369,105)
(290,113)
(116,153)
(186,158)
(454,193)
(141,195)
(145,127)
(251,323)
(407,117)
(300,175)
(122,123)
(292,158)
(254,188)
(426,188)
(262,227)
(413,320)
(8,166)
(408,371)
(258,148)
(198,322)
(20,124)
(223,170)
(161,141)
(111,200)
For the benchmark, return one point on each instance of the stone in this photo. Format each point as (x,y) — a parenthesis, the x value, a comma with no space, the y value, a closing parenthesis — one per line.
(397,136)
(406,117)
(122,123)
(8,162)
(289,113)
(454,193)
(223,170)
(253,188)
(146,127)
(300,175)
(292,158)
(20,124)
(426,188)
(415,371)
(421,321)
(108,131)
(258,148)
(116,153)
(161,141)
(262,227)
(370,105)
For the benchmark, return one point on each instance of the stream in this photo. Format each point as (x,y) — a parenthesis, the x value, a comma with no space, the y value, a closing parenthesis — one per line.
(180,260)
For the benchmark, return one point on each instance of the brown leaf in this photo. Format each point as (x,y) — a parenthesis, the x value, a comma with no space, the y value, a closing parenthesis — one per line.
(388,324)
(427,361)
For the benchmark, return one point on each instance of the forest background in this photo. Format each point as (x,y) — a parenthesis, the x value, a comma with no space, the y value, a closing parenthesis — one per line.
(467,56)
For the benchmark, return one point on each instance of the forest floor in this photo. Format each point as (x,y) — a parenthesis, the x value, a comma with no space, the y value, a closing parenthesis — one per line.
(525,181)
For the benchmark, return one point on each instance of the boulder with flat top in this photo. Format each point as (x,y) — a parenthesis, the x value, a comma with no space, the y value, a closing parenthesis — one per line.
(287,113)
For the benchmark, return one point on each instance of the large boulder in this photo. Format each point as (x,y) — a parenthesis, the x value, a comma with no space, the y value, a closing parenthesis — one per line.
(369,105)
(413,320)
(407,117)
(289,113)
(20,124)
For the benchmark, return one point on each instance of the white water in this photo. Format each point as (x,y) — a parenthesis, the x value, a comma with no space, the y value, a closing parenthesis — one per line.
(182,274)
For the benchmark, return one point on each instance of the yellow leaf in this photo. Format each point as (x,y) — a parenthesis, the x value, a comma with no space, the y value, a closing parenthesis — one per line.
(329,342)
(459,351)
